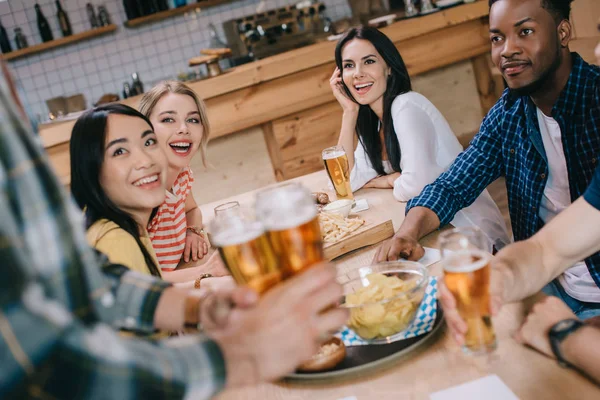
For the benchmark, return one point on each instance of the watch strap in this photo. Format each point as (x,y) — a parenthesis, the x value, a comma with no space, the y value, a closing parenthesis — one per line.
(558,333)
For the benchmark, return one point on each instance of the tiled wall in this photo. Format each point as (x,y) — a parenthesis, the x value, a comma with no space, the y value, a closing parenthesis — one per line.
(98,66)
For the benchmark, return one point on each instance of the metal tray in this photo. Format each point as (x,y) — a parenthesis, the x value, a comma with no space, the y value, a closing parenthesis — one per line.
(364,358)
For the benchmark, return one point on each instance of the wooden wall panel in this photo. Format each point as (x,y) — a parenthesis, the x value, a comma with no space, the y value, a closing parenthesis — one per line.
(301,138)
(585,15)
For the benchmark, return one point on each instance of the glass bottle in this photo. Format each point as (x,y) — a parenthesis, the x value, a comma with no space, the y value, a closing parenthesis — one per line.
(92,16)
(20,39)
(180,3)
(137,85)
(4,42)
(43,26)
(103,16)
(63,20)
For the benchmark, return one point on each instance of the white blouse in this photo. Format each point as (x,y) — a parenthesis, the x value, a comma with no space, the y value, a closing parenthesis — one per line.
(428,147)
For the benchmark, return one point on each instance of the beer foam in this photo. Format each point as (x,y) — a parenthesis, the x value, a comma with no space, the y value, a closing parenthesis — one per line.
(234,236)
(279,221)
(462,260)
(335,154)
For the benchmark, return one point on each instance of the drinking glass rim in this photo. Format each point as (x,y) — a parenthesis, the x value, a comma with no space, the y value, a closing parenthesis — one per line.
(472,229)
(227,206)
(337,147)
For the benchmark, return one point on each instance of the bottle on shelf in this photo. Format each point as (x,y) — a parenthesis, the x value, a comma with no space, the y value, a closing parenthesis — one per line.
(43,26)
(163,5)
(137,86)
(180,3)
(92,16)
(131,10)
(149,6)
(103,16)
(126,90)
(20,39)
(63,20)
(4,42)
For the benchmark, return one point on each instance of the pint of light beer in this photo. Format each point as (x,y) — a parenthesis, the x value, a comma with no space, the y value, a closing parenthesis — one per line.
(467,275)
(246,251)
(290,219)
(336,164)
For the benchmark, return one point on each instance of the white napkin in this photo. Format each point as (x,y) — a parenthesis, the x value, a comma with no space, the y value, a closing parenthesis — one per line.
(431,256)
(490,387)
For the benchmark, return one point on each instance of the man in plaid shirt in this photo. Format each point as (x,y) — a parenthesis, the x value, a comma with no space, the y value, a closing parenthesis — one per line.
(543,136)
(61,305)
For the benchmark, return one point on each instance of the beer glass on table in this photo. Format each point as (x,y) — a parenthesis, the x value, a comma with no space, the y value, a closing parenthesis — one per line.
(466,264)
(338,169)
(232,206)
(245,250)
(289,216)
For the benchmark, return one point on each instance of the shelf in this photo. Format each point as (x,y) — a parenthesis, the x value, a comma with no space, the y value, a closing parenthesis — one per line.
(78,37)
(159,16)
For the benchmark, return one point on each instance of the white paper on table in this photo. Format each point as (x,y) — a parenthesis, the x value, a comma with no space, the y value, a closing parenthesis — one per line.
(490,387)
(360,205)
(431,256)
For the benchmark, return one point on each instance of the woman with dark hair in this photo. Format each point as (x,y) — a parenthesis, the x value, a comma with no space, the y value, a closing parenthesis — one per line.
(118,176)
(395,138)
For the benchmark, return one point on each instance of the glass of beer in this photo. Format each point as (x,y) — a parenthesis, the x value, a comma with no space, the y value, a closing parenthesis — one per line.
(289,216)
(336,164)
(232,206)
(466,264)
(246,250)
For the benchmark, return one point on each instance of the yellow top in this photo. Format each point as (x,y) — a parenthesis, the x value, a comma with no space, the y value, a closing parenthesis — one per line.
(119,246)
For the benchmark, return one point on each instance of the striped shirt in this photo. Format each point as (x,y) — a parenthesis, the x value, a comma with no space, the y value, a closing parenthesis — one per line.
(167,230)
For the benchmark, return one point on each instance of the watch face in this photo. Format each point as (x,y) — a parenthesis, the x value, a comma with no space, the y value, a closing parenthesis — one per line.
(564,325)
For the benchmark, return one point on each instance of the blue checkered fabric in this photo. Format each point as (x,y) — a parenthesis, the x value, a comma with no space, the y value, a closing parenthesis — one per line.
(423,322)
(509,144)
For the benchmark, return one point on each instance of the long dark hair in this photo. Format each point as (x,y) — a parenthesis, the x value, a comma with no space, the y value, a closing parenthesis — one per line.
(398,82)
(87,155)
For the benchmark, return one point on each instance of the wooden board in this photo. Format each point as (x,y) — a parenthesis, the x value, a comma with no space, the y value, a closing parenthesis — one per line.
(381,219)
(368,234)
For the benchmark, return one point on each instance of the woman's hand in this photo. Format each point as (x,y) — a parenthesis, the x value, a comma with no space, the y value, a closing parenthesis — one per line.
(383,181)
(337,87)
(196,246)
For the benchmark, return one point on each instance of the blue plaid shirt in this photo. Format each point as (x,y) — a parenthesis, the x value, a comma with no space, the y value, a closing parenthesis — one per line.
(509,144)
(60,303)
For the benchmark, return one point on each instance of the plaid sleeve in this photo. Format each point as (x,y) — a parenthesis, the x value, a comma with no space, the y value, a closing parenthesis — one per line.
(95,360)
(135,295)
(468,176)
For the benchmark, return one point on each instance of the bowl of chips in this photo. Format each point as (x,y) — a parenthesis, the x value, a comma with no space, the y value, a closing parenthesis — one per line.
(384,298)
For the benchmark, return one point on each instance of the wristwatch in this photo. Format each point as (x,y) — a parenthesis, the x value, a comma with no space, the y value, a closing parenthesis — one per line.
(558,333)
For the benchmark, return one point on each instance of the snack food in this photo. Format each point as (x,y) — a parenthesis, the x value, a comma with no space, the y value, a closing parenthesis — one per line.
(321,198)
(378,318)
(334,227)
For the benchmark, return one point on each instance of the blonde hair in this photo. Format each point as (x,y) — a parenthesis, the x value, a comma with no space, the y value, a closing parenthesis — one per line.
(152,97)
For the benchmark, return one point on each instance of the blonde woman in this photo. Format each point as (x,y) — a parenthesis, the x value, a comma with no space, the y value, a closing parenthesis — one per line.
(179,119)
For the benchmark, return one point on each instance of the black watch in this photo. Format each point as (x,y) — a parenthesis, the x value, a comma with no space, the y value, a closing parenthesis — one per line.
(558,333)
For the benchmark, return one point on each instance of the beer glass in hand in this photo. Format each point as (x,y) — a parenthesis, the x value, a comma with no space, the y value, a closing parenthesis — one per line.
(245,250)
(467,276)
(336,164)
(289,216)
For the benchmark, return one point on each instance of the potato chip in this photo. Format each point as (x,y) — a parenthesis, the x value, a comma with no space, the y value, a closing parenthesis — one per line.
(381,319)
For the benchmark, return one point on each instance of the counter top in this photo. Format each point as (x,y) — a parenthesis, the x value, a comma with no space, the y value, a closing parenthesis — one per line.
(296,61)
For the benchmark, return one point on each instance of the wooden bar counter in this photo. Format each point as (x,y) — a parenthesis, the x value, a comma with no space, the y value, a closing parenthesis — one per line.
(289,95)
(439,364)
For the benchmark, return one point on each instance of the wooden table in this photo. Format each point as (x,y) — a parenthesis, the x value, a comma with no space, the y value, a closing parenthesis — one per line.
(438,366)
